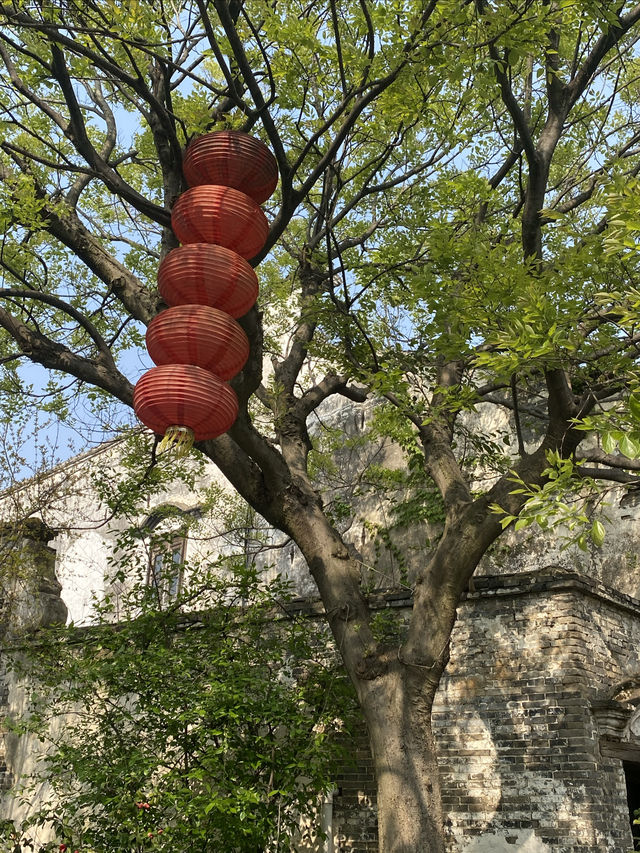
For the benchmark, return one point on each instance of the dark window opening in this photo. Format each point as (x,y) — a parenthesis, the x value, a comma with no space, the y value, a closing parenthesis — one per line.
(165,569)
(632,778)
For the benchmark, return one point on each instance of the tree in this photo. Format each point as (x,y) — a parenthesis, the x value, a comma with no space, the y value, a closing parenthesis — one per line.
(174,731)
(439,241)
(203,715)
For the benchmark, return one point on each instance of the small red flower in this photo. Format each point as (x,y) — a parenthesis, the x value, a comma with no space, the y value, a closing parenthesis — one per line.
(62,848)
(142,806)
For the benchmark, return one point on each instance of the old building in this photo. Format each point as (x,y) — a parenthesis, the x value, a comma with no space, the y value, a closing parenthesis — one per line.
(538,714)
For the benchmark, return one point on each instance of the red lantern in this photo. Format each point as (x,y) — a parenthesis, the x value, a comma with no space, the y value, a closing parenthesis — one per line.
(205,274)
(233,159)
(197,334)
(196,343)
(186,396)
(222,215)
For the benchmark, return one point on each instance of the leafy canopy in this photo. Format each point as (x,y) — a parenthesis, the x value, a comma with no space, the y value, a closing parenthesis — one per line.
(209,719)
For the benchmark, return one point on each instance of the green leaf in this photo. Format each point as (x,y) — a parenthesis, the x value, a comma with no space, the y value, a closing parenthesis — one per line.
(634,407)
(629,447)
(597,532)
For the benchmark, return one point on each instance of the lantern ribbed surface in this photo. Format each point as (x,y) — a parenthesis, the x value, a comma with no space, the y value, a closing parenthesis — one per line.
(205,274)
(233,159)
(197,334)
(221,215)
(185,395)
(196,343)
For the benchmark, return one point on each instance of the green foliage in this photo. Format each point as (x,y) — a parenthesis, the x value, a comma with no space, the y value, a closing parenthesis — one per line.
(454,236)
(204,715)
(565,500)
(414,242)
(618,425)
(622,201)
(183,730)
(386,628)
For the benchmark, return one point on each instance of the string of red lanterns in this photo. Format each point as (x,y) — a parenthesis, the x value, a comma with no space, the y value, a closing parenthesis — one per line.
(196,343)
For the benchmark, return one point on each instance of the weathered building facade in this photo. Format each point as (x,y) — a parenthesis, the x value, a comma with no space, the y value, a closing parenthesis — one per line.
(537,716)
(538,713)
(537,721)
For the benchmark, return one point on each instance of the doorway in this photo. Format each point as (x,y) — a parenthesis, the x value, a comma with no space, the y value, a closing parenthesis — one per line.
(632,778)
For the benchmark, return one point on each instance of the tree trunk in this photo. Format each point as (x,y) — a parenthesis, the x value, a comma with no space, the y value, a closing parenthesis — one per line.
(395,696)
(398,714)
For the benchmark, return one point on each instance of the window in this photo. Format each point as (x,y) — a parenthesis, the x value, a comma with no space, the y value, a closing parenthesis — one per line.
(166,567)
(164,532)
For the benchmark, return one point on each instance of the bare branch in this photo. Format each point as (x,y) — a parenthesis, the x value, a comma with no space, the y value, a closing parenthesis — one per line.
(603,45)
(608,475)
(287,370)
(67,227)
(28,93)
(77,133)
(331,384)
(611,460)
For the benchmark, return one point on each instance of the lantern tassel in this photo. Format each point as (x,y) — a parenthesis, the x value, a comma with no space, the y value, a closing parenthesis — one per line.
(178,439)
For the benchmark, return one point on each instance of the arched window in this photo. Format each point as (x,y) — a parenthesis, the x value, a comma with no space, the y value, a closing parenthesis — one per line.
(164,529)
(165,573)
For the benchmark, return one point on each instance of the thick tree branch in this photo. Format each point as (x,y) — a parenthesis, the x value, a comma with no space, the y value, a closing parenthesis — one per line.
(524,136)
(54,356)
(359,100)
(561,402)
(331,384)
(600,49)
(609,476)
(435,432)
(611,460)
(287,370)
(25,90)
(103,61)
(496,179)
(229,26)
(111,137)
(472,527)
(535,412)
(104,356)
(136,298)
(253,481)
(64,224)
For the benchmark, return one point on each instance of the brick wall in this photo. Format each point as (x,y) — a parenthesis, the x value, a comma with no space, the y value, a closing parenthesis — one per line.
(520,744)
(355,827)
(534,715)
(532,656)
(6,775)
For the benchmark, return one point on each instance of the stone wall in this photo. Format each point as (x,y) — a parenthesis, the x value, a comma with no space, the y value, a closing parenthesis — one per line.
(538,708)
(354,823)
(519,717)
(29,599)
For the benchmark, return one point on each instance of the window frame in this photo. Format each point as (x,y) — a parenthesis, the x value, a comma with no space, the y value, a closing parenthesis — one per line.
(166,551)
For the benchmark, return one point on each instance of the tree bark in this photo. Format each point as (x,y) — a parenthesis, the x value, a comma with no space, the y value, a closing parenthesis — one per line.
(395,695)
(398,714)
